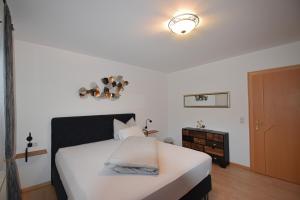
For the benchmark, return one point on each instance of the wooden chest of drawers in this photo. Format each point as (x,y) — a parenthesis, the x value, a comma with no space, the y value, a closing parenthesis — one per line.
(214,143)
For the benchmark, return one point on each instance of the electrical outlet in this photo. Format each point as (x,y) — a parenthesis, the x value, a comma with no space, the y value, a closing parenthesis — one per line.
(34,144)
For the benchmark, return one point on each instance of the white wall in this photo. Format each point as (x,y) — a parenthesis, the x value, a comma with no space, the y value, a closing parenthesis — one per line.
(226,75)
(47,83)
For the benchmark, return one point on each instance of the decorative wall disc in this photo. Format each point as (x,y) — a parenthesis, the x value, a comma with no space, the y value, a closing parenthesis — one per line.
(113,85)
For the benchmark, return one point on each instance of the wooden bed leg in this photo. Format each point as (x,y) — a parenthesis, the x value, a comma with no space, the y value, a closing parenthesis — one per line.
(205,197)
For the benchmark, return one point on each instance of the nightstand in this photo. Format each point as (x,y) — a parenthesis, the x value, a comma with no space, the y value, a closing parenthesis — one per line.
(32,153)
(151,133)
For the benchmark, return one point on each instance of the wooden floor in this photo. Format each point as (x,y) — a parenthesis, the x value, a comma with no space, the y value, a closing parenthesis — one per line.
(236,183)
(46,192)
(232,183)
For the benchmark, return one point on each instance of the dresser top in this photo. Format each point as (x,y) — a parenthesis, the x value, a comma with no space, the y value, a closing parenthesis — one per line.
(205,130)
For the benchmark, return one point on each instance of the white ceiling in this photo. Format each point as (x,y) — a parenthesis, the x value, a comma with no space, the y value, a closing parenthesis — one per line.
(133,31)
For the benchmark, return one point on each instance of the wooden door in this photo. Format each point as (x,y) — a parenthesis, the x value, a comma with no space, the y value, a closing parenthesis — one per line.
(274,103)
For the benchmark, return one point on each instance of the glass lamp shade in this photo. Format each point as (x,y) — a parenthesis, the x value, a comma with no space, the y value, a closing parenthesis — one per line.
(184,23)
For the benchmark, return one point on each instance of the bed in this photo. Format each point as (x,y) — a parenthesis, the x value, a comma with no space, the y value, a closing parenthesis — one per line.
(80,146)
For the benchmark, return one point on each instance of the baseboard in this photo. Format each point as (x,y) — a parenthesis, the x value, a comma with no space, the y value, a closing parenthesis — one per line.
(36,187)
(240,166)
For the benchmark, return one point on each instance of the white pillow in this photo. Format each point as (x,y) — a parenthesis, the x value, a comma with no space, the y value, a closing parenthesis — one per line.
(131,131)
(118,125)
(131,122)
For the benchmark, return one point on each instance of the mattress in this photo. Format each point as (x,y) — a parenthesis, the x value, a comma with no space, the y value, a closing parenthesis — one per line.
(84,176)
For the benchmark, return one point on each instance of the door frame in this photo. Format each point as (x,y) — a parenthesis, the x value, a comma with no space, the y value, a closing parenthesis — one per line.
(250,105)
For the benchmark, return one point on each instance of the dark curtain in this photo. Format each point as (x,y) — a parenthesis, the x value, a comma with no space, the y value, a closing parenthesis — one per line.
(13,185)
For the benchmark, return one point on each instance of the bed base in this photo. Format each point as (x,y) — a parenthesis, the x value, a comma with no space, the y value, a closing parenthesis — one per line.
(70,131)
(199,192)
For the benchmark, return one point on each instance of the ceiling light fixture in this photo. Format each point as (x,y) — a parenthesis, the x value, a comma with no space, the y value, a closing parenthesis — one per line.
(184,23)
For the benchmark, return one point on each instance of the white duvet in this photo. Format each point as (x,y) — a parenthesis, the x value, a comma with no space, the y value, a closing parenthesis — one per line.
(135,155)
(83,174)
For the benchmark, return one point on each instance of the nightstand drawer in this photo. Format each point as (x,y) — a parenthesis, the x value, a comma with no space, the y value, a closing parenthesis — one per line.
(186,144)
(199,141)
(214,137)
(197,147)
(214,151)
(187,138)
(185,132)
(214,144)
(197,134)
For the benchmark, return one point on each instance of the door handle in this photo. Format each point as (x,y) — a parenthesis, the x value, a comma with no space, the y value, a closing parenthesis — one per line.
(258,124)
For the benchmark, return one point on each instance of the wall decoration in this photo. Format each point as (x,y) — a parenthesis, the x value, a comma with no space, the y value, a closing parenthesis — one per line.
(113,85)
(207,100)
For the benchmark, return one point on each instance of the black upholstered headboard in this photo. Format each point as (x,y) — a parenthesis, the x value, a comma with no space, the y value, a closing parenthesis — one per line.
(70,131)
